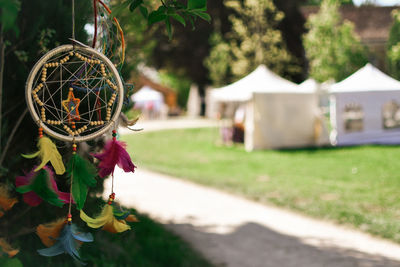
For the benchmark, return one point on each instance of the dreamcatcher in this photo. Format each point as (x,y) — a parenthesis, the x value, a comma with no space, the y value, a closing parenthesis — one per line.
(75,94)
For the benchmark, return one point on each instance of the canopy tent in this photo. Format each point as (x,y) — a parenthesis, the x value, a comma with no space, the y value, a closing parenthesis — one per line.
(282,120)
(321,89)
(260,80)
(365,108)
(146,94)
(149,101)
(279,113)
(310,85)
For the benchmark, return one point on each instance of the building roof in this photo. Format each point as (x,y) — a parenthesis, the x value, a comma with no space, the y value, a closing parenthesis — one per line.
(372,23)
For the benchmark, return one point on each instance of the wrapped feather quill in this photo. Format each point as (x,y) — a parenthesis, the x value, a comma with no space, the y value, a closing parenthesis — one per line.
(48,152)
(68,242)
(83,175)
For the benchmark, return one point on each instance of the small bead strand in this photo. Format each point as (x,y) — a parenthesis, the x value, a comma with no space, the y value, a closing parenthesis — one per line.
(40,132)
(111,199)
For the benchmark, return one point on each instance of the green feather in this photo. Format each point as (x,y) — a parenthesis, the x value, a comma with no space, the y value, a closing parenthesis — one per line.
(82,174)
(41,185)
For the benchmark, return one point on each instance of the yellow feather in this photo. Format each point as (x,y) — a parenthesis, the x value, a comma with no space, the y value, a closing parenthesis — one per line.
(116,226)
(107,220)
(104,217)
(48,152)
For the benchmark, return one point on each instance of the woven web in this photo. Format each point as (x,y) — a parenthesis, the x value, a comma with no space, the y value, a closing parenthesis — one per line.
(89,85)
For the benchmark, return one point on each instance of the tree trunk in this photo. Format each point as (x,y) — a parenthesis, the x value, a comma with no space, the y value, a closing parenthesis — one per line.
(2,49)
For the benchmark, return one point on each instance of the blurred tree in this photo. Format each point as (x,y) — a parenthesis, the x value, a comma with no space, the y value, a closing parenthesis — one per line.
(393,46)
(318,2)
(292,28)
(178,82)
(185,54)
(138,37)
(333,49)
(254,39)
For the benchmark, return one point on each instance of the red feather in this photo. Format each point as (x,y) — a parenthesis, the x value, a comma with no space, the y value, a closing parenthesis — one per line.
(114,153)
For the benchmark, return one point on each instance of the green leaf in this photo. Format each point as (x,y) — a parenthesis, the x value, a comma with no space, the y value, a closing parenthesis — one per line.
(201,14)
(197,4)
(192,22)
(134,4)
(118,9)
(9,13)
(169,28)
(144,11)
(157,15)
(178,18)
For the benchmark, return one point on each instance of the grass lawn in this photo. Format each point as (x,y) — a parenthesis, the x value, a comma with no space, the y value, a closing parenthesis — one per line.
(148,244)
(355,185)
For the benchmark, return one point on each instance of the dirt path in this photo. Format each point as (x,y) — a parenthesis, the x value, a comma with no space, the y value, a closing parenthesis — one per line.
(172,123)
(231,231)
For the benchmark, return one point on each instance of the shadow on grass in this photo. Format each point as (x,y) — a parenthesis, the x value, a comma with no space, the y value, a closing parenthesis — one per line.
(253,245)
(332,148)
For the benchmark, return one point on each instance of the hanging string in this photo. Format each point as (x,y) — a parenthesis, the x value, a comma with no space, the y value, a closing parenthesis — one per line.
(73,19)
(112,183)
(121,32)
(72,180)
(95,23)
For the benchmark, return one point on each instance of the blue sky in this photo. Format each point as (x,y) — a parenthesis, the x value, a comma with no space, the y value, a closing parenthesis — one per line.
(380,2)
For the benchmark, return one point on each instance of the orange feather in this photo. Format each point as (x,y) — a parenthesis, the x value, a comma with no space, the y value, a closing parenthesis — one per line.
(6,247)
(6,202)
(49,232)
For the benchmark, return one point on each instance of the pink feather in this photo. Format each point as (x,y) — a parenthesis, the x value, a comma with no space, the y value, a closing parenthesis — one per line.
(114,153)
(31,198)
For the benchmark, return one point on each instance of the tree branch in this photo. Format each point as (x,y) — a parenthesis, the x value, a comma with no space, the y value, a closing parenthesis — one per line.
(14,130)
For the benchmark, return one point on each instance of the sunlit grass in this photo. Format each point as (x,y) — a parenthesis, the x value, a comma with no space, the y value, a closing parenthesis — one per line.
(354,185)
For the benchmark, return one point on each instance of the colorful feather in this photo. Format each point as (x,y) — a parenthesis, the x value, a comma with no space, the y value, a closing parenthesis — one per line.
(123,215)
(49,232)
(38,186)
(106,220)
(32,198)
(114,153)
(7,248)
(83,175)
(48,152)
(6,201)
(68,242)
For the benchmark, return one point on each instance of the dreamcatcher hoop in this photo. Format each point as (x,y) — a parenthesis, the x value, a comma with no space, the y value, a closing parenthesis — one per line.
(117,86)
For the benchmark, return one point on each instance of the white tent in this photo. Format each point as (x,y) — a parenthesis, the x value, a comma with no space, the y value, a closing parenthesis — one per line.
(279,113)
(260,80)
(146,94)
(149,101)
(365,108)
